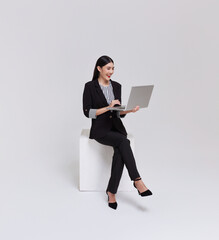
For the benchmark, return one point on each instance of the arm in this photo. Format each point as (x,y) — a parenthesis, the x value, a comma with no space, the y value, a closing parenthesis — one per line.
(93,113)
(124,112)
(133,110)
(100,111)
(104,109)
(87,101)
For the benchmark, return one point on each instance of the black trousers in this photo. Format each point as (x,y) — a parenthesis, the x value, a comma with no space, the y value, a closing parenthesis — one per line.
(123,155)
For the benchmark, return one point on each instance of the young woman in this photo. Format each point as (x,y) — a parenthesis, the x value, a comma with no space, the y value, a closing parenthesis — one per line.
(107,128)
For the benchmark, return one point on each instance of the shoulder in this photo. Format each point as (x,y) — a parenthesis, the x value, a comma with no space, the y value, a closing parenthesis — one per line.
(88,84)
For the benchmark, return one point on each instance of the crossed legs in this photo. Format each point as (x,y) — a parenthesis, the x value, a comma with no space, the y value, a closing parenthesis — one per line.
(123,155)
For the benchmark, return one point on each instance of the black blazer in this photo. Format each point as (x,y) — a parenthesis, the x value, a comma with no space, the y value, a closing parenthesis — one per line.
(93,97)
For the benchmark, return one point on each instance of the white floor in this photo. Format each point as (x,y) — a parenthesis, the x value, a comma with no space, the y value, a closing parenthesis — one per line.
(40,200)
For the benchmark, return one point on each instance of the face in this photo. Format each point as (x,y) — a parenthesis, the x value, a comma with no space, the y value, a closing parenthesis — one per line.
(106,71)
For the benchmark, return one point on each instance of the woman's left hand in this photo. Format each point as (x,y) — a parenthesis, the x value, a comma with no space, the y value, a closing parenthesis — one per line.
(135,109)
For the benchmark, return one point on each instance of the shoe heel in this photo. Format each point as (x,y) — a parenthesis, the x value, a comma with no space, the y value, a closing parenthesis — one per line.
(112,205)
(145,193)
(136,188)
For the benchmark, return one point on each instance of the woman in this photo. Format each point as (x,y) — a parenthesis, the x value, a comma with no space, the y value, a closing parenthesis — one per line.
(107,128)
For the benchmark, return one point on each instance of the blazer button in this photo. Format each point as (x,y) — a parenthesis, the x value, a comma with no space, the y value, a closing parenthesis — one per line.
(85,109)
(110,116)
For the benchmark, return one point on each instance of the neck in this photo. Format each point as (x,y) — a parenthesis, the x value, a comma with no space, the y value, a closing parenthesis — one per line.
(103,81)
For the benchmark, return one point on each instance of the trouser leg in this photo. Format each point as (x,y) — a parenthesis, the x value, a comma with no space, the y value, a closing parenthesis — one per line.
(116,171)
(119,141)
(129,160)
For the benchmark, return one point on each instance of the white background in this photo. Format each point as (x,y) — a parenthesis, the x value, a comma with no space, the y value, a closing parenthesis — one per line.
(48,50)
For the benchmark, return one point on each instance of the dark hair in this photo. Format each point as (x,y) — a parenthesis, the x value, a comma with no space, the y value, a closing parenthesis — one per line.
(102,61)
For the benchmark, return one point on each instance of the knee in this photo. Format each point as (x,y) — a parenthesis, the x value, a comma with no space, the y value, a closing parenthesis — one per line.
(125,141)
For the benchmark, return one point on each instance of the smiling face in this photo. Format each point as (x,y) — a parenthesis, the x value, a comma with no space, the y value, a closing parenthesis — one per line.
(106,71)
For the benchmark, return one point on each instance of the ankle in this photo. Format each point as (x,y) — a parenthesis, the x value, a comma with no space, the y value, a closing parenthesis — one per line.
(110,193)
(137,179)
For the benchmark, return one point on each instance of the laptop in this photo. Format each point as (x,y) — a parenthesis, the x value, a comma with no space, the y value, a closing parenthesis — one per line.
(139,96)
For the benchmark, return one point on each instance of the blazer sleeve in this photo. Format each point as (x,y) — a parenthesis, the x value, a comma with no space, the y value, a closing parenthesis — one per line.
(87,100)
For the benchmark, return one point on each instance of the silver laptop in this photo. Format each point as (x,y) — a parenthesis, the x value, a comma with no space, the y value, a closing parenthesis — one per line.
(139,96)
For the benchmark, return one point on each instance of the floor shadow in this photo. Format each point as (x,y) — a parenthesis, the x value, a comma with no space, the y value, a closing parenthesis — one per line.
(133,203)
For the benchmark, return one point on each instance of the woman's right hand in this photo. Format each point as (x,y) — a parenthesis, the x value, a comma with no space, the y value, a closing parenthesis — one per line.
(114,102)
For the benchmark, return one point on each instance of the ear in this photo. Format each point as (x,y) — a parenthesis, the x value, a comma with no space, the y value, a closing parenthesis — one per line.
(99,68)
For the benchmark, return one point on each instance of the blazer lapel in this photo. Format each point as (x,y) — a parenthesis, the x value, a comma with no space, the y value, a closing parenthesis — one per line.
(100,92)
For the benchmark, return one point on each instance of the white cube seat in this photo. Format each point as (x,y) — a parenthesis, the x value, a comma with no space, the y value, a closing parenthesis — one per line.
(95,165)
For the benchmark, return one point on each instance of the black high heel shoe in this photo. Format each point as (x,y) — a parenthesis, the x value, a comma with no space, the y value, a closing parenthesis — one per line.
(145,193)
(112,205)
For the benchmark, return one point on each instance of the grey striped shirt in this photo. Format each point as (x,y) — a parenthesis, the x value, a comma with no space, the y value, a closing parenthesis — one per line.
(108,92)
(109,95)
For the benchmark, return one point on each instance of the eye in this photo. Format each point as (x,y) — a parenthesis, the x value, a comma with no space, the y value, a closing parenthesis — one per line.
(108,68)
